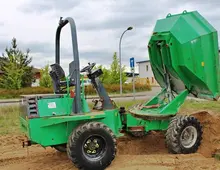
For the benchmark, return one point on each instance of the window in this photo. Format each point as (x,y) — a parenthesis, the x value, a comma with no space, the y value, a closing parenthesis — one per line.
(146,67)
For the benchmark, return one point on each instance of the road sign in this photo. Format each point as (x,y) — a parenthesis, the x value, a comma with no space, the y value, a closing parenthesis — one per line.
(132,62)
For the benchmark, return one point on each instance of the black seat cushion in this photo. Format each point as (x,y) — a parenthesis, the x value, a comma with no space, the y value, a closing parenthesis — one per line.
(58,76)
(58,71)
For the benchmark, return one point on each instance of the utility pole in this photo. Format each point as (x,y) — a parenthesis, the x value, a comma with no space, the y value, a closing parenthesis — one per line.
(129,28)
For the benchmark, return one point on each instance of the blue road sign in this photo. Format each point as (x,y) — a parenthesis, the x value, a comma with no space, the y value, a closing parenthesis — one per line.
(132,62)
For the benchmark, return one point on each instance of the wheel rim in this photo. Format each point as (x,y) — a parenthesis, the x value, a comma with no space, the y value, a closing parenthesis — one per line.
(94,147)
(188,136)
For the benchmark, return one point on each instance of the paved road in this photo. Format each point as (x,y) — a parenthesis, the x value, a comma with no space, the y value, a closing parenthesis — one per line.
(138,96)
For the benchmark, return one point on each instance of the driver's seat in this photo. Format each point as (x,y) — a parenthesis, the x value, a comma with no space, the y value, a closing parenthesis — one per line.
(58,77)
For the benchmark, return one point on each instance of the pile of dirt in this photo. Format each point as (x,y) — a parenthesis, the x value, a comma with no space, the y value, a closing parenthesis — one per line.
(6,140)
(155,141)
(152,143)
(211,132)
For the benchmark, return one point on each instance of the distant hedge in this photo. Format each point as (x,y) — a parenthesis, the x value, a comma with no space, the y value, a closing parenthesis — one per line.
(5,94)
(115,88)
(89,90)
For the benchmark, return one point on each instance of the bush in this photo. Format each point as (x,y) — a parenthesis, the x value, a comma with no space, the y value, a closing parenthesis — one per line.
(89,90)
(45,79)
(4,93)
(115,88)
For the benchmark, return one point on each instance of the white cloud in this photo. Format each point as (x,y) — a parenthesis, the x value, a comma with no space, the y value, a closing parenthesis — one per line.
(99,26)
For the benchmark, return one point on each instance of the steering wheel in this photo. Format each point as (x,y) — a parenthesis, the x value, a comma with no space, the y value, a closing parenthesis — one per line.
(88,68)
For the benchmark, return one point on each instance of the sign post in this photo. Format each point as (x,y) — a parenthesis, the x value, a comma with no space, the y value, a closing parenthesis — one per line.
(132,70)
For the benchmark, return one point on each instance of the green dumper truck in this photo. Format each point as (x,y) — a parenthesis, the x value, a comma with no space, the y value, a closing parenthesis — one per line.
(183,51)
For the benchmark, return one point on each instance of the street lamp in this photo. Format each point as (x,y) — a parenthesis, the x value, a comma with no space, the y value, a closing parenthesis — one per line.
(129,28)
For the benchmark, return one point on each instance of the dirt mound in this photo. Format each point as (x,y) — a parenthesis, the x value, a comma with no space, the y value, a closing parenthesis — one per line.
(149,144)
(11,139)
(211,132)
(155,141)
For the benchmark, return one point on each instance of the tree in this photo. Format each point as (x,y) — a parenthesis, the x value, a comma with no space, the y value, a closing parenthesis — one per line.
(45,79)
(3,61)
(19,61)
(104,78)
(112,75)
(12,77)
(28,76)
(115,71)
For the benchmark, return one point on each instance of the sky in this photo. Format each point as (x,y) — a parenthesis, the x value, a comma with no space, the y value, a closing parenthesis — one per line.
(99,25)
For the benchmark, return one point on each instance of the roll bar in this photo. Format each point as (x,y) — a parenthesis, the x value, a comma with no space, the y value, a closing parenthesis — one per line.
(76,70)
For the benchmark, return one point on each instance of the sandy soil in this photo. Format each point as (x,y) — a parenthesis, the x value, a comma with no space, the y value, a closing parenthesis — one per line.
(133,154)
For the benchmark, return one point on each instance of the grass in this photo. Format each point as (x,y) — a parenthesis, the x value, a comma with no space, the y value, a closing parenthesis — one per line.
(9,120)
(9,115)
(193,106)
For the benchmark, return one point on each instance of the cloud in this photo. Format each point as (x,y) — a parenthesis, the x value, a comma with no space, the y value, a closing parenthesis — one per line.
(99,24)
(42,6)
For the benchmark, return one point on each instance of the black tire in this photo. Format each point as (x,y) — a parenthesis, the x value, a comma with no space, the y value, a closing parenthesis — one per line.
(60,148)
(78,147)
(178,125)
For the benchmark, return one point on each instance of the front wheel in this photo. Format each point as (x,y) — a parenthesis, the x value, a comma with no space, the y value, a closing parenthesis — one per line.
(92,146)
(183,135)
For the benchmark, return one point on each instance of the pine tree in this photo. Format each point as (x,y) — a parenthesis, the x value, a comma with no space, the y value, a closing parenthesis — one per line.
(17,72)
(12,77)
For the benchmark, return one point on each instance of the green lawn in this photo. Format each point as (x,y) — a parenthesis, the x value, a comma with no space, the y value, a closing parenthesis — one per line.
(9,120)
(193,106)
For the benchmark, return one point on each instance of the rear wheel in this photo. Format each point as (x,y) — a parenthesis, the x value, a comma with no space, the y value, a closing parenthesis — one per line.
(184,135)
(92,146)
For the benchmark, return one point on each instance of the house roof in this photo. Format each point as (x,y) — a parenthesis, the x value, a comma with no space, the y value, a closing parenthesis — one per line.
(36,70)
(144,61)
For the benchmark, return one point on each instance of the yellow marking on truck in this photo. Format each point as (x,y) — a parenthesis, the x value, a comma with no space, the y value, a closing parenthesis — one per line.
(203,64)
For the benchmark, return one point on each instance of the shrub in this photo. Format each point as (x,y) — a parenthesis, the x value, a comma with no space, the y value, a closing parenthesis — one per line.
(115,88)
(45,79)
(4,93)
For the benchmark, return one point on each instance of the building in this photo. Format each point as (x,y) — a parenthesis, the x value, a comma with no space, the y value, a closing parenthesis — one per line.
(145,71)
(129,76)
(36,77)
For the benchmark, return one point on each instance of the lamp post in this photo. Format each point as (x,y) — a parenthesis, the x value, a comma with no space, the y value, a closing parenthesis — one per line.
(129,28)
